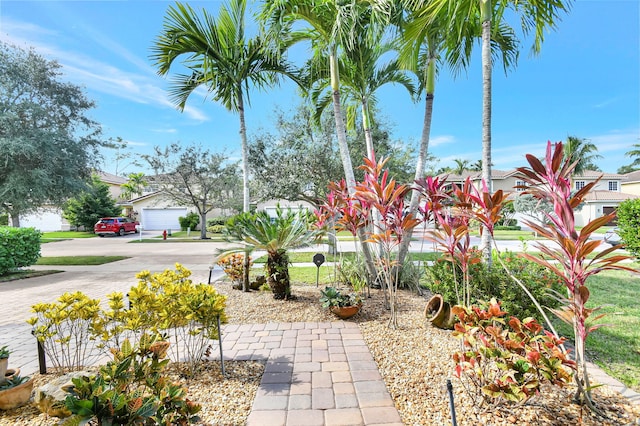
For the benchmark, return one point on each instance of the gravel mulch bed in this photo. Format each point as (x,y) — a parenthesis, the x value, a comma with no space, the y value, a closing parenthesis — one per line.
(415,362)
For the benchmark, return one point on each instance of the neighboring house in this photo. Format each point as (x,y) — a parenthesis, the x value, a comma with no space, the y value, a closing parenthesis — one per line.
(604,198)
(631,183)
(156,212)
(270,206)
(50,218)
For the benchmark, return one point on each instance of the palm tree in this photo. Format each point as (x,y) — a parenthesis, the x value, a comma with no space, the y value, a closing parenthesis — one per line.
(219,57)
(426,43)
(330,26)
(462,17)
(583,152)
(134,186)
(361,75)
(259,231)
(461,166)
(476,166)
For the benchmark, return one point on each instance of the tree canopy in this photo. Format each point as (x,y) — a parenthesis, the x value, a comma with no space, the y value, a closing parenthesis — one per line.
(193,176)
(90,205)
(47,141)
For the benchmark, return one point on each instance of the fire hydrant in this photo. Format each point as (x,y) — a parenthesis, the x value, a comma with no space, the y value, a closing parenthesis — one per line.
(164,234)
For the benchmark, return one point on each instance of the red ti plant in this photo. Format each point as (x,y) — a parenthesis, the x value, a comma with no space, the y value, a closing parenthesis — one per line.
(568,256)
(379,194)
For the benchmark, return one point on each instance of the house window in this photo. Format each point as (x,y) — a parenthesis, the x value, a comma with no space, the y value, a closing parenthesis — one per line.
(520,183)
(580,184)
(613,185)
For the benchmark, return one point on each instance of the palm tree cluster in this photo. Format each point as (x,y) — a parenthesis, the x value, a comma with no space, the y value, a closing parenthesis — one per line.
(350,43)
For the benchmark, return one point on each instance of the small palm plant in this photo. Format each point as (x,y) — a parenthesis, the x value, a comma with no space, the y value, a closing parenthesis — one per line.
(275,235)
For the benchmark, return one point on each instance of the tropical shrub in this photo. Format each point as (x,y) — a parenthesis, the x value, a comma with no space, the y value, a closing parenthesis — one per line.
(131,389)
(166,303)
(191,221)
(65,329)
(570,255)
(506,360)
(275,235)
(19,247)
(233,266)
(487,283)
(629,225)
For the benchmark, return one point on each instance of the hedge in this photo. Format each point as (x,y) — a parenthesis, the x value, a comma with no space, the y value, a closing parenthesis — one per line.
(18,247)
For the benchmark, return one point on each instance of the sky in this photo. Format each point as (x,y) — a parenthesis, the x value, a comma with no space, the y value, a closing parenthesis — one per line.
(585,82)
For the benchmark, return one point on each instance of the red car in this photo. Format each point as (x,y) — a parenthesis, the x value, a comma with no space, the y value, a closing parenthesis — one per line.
(115,226)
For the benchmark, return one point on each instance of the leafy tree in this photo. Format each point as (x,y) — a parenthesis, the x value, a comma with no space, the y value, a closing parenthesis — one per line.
(196,177)
(629,223)
(46,139)
(90,205)
(582,151)
(301,157)
(537,209)
(460,167)
(124,157)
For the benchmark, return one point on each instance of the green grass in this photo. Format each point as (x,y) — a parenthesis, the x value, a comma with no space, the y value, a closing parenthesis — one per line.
(48,237)
(307,274)
(307,257)
(615,349)
(79,260)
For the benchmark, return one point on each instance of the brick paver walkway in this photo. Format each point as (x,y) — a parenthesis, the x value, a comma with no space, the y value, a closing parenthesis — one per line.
(315,374)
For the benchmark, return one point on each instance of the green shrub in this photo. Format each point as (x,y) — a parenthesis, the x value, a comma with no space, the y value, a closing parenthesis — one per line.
(191,220)
(4,219)
(496,283)
(217,221)
(131,389)
(629,225)
(19,247)
(508,227)
(506,360)
(215,229)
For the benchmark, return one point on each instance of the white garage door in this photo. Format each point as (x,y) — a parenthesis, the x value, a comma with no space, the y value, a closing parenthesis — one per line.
(45,220)
(159,219)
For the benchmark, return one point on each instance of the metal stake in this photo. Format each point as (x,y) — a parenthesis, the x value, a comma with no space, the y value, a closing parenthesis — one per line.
(42,361)
(220,344)
(451,405)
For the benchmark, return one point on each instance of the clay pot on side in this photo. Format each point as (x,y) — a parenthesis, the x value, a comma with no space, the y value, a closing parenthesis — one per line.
(438,312)
(344,312)
(16,396)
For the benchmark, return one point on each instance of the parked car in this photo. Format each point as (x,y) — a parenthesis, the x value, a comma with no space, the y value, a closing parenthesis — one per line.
(115,226)
(612,237)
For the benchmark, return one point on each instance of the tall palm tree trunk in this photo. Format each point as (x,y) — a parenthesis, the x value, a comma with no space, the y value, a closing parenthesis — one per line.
(245,183)
(344,154)
(422,154)
(486,16)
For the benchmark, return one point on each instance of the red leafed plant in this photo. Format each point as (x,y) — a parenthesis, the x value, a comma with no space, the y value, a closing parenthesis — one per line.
(568,257)
(506,360)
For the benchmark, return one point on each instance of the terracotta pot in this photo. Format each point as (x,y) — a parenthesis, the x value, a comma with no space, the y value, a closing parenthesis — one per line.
(344,312)
(16,396)
(11,373)
(4,363)
(438,312)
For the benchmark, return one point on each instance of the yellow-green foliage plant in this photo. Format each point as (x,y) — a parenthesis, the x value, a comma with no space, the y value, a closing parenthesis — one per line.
(65,328)
(171,304)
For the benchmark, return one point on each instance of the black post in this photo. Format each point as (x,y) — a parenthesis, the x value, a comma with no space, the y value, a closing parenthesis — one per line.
(42,361)
(451,405)
(220,344)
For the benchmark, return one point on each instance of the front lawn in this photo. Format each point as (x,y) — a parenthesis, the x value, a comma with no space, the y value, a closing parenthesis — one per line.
(64,235)
(79,260)
(27,273)
(615,349)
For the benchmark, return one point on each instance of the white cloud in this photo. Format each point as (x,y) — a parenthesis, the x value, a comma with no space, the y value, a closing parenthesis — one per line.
(96,75)
(441,140)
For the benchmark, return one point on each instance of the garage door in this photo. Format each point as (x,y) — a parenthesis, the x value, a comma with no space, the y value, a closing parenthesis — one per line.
(45,220)
(159,219)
